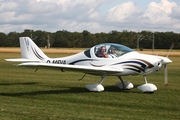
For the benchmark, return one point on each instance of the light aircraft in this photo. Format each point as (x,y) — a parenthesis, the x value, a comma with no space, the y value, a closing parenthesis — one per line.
(125,62)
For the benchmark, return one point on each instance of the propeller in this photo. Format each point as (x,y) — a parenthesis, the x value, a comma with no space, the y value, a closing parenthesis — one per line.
(165,76)
(166,61)
(171,47)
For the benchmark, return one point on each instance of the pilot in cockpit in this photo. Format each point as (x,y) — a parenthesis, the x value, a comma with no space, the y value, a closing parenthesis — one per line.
(112,53)
(102,52)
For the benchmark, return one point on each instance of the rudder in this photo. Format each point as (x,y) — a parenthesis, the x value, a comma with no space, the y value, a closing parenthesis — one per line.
(29,50)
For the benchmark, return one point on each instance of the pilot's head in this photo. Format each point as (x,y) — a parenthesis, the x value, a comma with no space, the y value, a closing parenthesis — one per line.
(112,50)
(103,49)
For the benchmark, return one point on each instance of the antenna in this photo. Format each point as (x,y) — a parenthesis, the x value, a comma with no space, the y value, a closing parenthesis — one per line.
(139,38)
(33,38)
(48,41)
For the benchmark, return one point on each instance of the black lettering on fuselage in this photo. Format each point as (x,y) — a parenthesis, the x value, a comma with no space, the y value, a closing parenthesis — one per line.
(59,61)
(48,61)
(56,61)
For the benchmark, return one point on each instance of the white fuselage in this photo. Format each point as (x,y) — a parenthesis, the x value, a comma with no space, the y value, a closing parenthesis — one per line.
(132,63)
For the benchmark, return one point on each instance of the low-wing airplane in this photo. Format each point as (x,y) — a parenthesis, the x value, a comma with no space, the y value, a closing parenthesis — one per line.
(107,59)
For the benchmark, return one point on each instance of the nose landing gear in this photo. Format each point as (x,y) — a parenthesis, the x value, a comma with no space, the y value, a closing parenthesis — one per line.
(147,87)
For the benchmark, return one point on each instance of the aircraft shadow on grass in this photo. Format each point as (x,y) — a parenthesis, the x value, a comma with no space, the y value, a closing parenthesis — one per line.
(64,91)
(22,83)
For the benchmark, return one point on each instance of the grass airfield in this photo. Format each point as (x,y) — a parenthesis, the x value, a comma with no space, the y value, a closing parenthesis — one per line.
(49,94)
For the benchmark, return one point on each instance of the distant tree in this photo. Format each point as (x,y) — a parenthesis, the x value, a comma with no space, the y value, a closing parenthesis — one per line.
(27,33)
(76,39)
(3,40)
(60,39)
(113,37)
(87,41)
(13,39)
(64,38)
(41,37)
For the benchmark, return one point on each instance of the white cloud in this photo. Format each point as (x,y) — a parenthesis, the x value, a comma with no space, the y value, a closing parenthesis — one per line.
(175,14)
(79,15)
(122,12)
(158,13)
(59,2)
(7,6)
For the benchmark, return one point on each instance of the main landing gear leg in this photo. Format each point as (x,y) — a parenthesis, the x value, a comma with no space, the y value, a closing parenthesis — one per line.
(145,80)
(97,87)
(124,85)
(102,79)
(147,87)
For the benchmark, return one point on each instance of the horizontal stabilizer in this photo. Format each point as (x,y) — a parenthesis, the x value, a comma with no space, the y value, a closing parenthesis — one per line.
(21,60)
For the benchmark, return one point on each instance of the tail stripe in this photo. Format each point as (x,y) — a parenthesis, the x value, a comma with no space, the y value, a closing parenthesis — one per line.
(37,54)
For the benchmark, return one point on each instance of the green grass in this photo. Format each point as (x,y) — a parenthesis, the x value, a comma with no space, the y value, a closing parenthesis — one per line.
(49,94)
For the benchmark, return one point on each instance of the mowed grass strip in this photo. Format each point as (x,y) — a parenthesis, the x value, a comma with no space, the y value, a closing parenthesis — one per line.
(50,50)
(52,94)
(162,52)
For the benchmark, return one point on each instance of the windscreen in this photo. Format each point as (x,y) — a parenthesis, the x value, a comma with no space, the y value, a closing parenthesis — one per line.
(111,50)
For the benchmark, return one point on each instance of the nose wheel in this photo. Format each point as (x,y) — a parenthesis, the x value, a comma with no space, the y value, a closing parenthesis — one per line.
(147,87)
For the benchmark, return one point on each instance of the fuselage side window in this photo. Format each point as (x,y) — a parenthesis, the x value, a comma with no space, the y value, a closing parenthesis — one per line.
(87,53)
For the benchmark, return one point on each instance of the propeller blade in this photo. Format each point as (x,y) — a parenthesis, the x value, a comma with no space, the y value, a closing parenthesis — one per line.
(172,46)
(165,76)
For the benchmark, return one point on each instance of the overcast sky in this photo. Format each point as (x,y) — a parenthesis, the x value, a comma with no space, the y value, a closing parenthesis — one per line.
(91,15)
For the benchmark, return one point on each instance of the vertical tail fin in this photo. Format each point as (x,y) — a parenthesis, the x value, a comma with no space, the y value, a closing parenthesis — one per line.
(30,50)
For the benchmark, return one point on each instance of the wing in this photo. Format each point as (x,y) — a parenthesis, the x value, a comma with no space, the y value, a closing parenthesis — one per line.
(21,60)
(78,68)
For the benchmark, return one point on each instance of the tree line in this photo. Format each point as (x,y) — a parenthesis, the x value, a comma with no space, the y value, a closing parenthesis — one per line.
(85,39)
